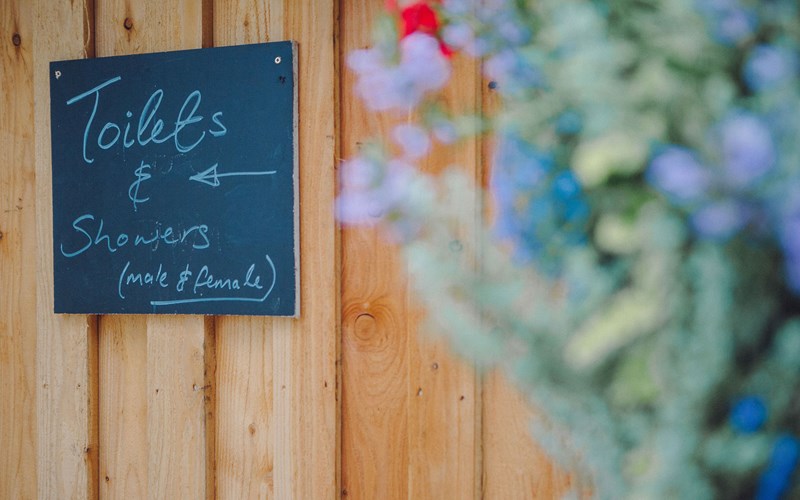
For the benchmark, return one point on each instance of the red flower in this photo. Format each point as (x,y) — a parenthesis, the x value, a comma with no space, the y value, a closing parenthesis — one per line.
(419,16)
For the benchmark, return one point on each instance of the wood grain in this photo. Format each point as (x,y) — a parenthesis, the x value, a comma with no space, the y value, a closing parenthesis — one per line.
(246,430)
(169,352)
(176,413)
(245,421)
(123,407)
(277,407)
(17,254)
(515,467)
(410,409)
(375,454)
(444,423)
(375,320)
(305,350)
(66,357)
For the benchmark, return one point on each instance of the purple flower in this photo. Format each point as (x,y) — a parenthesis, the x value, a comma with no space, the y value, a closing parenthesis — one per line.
(512,31)
(414,141)
(387,85)
(792,267)
(748,414)
(736,24)
(720,220)
(789,235)
(444,131)
(460,36)
(768,66)
(776,478)
(789,225)
(500,24)
(677,173)
(421,59)
(512,71)
(369,192)
(731,23)
(459,7)
(747,148)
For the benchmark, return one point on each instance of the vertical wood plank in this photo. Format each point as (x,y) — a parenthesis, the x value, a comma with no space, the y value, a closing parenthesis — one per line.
(176,408)
(375,319)
(123,407)
(305,350)
(245,420)
(410,409)
(445,393)
(277,406)
(375,455)
(17,255)
(66,359)
(515,466)
(174,460)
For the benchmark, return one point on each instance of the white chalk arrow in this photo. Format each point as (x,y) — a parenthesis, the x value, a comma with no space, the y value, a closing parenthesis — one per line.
(211,176)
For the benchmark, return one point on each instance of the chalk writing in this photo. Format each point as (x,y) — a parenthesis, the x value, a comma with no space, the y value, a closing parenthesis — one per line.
(110,133)
(133,191)
(132,138)
(211,176)
(250,281)
(94,235)
(142,279)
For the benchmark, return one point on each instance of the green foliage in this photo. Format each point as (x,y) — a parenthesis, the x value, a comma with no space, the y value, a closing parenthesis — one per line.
(632,323)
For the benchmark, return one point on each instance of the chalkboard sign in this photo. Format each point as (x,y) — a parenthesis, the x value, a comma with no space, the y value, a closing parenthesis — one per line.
(175,182)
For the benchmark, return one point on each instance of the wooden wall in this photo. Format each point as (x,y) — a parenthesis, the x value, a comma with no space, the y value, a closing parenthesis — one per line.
(351,400)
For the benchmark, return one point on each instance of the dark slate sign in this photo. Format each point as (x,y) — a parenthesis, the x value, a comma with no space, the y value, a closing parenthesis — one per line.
(175,182)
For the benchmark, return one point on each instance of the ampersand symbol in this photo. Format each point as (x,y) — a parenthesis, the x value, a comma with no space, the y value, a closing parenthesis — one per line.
(133,190)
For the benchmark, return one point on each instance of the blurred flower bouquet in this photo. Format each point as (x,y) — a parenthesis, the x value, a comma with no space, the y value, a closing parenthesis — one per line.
(640,276)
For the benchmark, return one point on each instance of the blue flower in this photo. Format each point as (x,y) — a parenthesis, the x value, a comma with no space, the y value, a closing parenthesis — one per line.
(748,414)
(730,22)
(540,208)
(512,30)
(569,123)
(565,186)
(721,219)
(677,173)
(513,72)
(767,66)
(748,149)
(776,478)
(518,170)
(789,235)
